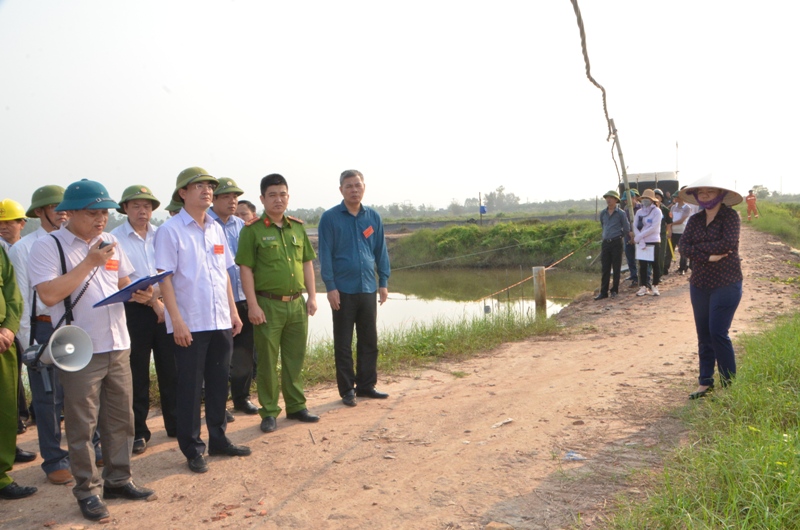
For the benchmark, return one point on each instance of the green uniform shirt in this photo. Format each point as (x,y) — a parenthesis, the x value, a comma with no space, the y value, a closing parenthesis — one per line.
(10,297)
(276,255)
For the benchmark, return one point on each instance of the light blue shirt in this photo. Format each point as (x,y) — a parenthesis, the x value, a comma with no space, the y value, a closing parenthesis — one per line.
(232,230)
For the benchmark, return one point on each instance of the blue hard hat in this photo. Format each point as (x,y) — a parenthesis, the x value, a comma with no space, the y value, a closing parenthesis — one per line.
(86,195)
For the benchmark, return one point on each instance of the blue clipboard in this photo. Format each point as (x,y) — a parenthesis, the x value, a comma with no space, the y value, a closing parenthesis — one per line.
(125,294)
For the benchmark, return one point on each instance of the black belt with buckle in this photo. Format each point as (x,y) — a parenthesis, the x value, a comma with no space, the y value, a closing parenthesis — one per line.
(612,239)
(271,296)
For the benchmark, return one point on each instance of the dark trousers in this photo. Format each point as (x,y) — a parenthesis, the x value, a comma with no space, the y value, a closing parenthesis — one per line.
(610,259)
(22,402)
(207,358)
(644,273)
(359,310)
(713,313)
(148,335)
(630,256)
(683,266)
(666,256)
(243,358)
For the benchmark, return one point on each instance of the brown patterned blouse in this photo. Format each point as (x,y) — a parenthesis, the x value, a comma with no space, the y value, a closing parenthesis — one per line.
(721,236)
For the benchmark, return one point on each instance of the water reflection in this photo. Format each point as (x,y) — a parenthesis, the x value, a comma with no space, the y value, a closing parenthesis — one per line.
(417,296)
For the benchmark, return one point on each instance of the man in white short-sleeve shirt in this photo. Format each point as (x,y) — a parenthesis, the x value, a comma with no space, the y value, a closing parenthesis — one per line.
(98,395)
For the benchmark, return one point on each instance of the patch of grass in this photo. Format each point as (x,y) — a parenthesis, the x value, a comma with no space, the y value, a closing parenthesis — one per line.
(504,244)
(779,219)
(459,374)
(419,345)
(741,466)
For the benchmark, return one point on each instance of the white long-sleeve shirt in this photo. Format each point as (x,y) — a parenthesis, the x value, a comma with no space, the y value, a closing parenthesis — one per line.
(19,258)
(650,231)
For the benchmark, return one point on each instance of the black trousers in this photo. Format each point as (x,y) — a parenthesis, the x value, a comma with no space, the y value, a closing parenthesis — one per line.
(610,259)
(644,278)
(243,359)
(359,310)
(148,335)
(207,358)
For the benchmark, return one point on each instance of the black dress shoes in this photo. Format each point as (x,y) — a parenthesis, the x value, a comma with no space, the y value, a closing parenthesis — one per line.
(601,296)
(231,450)
(229,416)
(268,424)
(129,491)
(15,491)
(371,393)
(349,399)
(303,415)
(93,508)
(246,406)
(23,456)
(198,464)
(139,446)
(613,294)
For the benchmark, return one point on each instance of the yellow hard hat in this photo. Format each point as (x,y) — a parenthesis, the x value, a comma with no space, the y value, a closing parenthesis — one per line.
(10,210)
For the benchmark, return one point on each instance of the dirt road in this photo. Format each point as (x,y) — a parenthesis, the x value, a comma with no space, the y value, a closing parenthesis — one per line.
(535,434)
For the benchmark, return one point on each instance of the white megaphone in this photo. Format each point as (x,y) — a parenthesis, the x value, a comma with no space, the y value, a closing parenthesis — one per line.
(69,348)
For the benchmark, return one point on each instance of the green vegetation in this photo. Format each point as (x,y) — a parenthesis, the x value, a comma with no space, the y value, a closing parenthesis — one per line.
(739,469)
(505,244)
(779,219)
(419,345)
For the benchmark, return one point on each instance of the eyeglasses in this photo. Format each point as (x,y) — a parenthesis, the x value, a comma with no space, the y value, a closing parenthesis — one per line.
(200,186)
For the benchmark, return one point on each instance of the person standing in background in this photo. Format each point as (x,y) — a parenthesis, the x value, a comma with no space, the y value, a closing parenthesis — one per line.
(752,209)
(351,247)
(223,211)
(36,326)
(615,228)
(146,322)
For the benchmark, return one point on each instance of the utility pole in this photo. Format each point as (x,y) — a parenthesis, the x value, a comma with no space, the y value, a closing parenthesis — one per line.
(622,164)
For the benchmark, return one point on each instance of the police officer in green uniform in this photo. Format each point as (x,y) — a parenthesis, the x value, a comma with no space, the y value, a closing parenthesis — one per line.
(10,313)
(274,257)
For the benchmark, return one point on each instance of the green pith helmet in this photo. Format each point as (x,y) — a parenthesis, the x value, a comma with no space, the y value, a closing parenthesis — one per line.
(45,196)
(188,176)
(11,210)
(228,186)
(137,191)
(86,195)
(612,193)
(174,206)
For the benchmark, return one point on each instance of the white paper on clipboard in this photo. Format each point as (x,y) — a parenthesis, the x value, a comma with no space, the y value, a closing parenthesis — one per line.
(646,254)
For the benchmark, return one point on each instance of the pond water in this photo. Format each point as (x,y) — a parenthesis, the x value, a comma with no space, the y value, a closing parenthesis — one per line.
(417,296)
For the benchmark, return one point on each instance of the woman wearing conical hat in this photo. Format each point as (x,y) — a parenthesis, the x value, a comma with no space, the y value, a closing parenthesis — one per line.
(711,242)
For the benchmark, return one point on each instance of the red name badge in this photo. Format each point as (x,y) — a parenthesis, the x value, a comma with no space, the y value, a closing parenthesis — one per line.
(112,265)
(219,249)
(369,231)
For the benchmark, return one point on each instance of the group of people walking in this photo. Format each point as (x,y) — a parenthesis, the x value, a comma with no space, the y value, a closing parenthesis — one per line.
(231,304)
(701,225)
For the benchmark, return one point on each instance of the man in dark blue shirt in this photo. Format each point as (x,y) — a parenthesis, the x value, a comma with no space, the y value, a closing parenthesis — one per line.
(351,247)
(615,227)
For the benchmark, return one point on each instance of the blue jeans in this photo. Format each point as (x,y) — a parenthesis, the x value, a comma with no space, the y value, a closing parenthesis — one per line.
(713,314)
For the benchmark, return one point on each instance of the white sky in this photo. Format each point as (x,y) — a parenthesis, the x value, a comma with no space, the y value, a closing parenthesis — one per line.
(431,100)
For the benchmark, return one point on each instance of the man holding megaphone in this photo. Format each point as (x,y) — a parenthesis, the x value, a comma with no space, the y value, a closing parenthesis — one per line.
(75,268)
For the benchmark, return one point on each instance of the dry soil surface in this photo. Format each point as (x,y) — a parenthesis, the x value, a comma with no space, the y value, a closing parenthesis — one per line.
(535,434)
